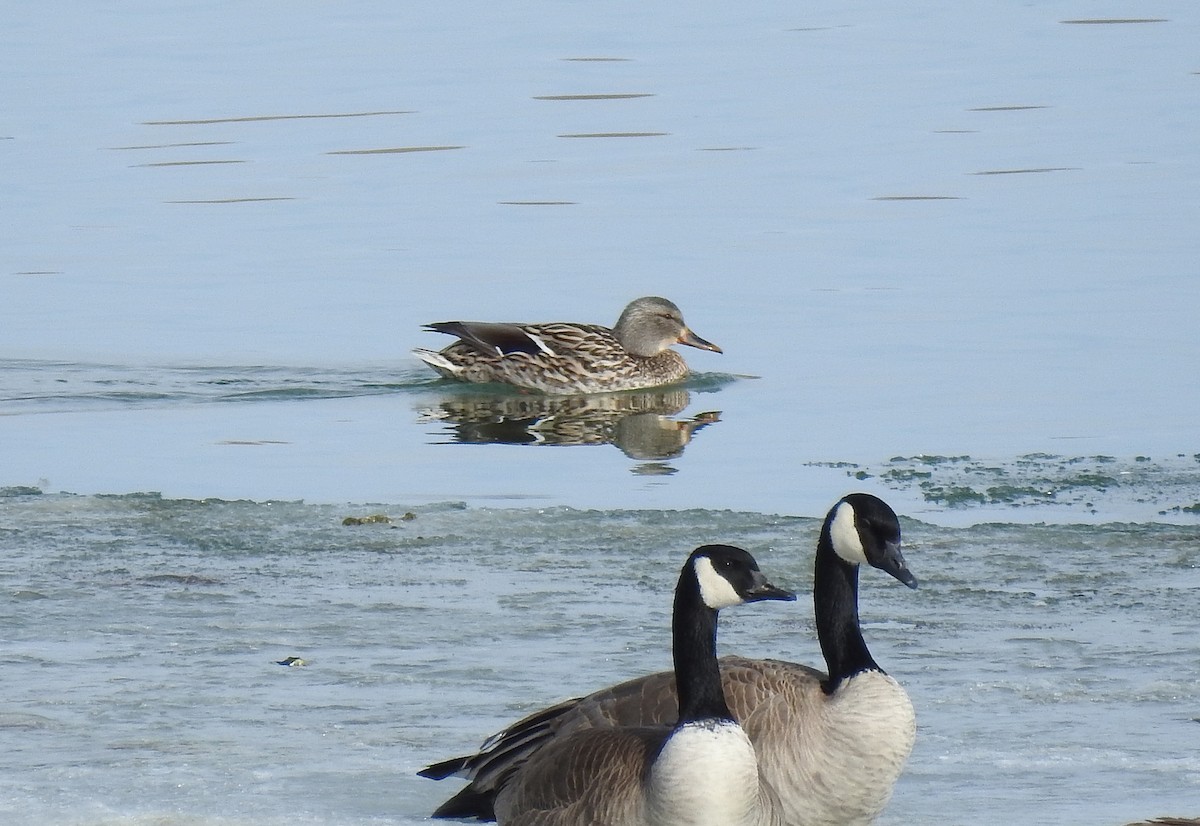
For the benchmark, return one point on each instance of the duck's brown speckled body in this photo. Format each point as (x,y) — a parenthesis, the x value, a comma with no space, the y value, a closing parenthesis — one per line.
(559,357)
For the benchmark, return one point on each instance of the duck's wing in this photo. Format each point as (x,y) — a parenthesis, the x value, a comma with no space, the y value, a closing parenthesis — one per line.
(493,339)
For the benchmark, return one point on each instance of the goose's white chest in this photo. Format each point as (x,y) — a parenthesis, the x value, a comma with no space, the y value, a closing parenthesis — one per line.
(705,775)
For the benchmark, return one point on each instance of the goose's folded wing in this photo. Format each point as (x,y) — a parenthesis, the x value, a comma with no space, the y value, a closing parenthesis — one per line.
(588,777)
(750,686)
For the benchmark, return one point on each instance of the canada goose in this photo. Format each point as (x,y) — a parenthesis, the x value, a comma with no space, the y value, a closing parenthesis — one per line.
(702,770)
(831,745)
(563,357)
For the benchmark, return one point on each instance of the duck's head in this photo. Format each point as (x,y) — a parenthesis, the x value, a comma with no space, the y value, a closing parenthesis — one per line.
(650,325)
(863,528)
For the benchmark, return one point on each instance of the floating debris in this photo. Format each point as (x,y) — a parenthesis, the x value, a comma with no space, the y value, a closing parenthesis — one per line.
(20,490)
(1038,479)
(378,519)
(179,579)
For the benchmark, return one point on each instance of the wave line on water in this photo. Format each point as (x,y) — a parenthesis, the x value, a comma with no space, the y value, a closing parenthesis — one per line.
(233,200)
(32,386)
(256,118)
(394,150)
(599,96)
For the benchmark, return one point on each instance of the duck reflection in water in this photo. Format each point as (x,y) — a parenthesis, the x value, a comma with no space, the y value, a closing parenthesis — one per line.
(641,424)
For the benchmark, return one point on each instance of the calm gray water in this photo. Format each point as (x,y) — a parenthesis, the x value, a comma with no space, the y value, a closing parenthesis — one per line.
(949,251)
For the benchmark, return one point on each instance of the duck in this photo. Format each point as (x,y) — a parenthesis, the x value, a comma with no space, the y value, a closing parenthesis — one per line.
(699,768)
(567,358)
(832,743)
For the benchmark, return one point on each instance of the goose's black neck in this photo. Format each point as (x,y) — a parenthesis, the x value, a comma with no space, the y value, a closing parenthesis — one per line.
(694,649)
(835,598)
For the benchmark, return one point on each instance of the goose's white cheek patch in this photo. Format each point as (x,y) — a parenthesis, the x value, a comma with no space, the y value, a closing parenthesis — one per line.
(846,541)
(715,590)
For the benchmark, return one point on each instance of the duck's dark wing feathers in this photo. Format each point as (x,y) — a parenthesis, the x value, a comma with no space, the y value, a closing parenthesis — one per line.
(488,338)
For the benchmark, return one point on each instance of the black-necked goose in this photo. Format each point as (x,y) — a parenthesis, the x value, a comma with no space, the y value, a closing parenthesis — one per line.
(832,745)
(702,770)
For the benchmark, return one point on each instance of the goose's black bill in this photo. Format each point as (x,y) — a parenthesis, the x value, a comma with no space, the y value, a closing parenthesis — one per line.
(762,589)
(892,562)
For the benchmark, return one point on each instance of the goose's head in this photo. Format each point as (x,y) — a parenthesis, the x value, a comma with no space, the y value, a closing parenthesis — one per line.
(650,325)
(863,528)
(725,576)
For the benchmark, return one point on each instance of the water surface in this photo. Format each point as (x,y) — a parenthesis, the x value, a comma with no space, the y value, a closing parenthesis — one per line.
(1052,668)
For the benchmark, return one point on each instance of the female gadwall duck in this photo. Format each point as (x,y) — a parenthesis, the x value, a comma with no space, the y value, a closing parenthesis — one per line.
(570,358)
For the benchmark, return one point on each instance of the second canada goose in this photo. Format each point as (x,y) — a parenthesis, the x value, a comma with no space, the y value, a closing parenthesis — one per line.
(832,745)
(701,770)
